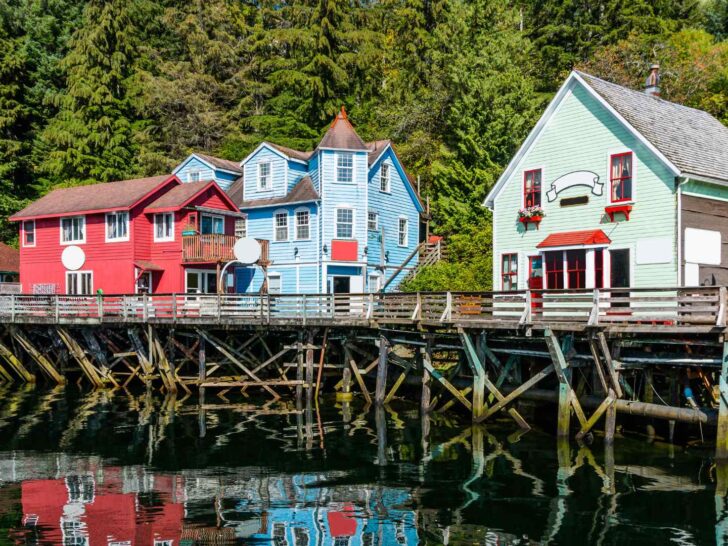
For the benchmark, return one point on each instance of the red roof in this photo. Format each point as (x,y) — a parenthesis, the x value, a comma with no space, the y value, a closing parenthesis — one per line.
(181,195)
(575,238)
(9,259)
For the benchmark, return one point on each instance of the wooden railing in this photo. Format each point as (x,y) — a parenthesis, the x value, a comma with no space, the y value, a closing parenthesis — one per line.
(635,308)
(213,248)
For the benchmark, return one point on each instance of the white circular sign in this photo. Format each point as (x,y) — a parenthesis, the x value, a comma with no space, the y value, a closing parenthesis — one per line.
(73,258)
(247,250)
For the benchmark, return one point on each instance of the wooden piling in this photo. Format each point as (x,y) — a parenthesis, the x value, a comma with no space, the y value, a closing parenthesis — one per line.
(721,444)
(425,353)
(381,387)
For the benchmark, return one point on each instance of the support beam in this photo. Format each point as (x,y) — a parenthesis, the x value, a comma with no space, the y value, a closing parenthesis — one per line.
(382,370)
(92,373)
(39,358)
(15,363)
(357,374)
(567,397)
(445,383)
(423,354)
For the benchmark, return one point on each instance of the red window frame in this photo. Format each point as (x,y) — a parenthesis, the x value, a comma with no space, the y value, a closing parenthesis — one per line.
(509,275)
(576,269)
(532,188)
(621,180)
(599,268)
(554,267)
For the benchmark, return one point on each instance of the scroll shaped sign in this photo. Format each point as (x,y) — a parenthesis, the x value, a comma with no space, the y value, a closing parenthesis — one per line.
(576,178)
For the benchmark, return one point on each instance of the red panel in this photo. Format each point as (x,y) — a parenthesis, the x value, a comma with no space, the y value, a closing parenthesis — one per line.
(344,251)
(342,524)
(575,238)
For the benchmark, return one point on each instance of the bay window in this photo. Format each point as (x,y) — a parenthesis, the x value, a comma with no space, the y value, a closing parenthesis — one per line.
(620,177)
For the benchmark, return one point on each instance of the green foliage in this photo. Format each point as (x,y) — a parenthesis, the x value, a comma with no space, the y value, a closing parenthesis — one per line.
(97,90)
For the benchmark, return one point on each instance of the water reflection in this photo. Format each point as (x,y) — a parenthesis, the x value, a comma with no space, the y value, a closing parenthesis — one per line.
(120,468)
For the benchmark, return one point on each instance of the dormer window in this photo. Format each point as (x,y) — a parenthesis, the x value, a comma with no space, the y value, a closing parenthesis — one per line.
(193,176)
(264,176)
(345,168)
(620,177)
(532,188)
(384,179)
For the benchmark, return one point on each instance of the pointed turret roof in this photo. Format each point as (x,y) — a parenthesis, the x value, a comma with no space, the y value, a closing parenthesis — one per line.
(341,135)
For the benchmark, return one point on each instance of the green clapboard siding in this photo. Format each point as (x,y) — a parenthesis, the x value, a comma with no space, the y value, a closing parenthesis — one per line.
(703,189)
(581,135)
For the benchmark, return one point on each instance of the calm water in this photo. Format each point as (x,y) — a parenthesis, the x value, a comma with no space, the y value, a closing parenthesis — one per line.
(128,470)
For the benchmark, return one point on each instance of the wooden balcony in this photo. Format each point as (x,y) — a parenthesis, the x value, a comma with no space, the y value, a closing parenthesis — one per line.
(214,248)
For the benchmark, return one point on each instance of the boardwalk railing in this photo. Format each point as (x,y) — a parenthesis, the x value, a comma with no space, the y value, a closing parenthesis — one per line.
(612,307)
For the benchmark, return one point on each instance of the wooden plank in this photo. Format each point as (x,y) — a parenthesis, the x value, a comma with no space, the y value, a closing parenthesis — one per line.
(445,383)
(357,374)
(15,364)
(608,401)
(79,355)
(504,400)
(607,355)
(39,358)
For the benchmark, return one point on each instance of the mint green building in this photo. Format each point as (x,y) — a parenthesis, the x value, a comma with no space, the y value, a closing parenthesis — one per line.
(613,188)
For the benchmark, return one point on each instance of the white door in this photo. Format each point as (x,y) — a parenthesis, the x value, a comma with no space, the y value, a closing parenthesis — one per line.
(357,302)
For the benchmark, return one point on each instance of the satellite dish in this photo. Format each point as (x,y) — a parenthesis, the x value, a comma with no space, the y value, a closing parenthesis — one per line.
(73,258)
(247,250)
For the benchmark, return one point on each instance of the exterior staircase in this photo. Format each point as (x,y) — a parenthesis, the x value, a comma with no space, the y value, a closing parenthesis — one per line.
(428,253)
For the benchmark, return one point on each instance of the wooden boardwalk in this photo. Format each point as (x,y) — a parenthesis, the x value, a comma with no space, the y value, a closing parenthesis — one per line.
(656,353)
(676,310)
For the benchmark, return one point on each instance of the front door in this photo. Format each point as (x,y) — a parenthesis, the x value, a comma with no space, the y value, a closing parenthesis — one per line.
(342,285)
(620,275)
(535,279)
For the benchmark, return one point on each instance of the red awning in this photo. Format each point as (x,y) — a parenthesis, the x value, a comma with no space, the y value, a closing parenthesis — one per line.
(575,238)
(147,266)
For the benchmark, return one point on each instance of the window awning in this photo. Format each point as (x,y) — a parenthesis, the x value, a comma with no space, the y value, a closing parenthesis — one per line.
(575,238)
(147,266)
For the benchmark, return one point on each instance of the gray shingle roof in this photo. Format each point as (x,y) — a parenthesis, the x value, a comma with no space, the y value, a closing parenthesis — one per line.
(220,163)
(341,135)
(693,140)
(302,192)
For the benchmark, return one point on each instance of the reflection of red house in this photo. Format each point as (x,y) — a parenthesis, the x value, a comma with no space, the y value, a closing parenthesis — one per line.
(80,511)
(125,237)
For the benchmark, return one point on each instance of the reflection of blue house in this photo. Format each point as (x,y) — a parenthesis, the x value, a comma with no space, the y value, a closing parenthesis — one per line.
(341,218)
(300,513)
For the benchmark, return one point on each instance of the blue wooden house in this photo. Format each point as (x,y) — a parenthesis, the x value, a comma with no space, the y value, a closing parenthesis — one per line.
(344,217)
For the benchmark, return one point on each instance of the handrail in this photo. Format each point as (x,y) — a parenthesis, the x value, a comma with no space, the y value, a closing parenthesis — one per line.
(587,308)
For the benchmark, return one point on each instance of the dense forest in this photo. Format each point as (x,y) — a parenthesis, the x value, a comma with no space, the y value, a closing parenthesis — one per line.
(102,90)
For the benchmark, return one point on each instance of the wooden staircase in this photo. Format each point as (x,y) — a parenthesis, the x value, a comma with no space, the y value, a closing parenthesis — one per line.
(429,253)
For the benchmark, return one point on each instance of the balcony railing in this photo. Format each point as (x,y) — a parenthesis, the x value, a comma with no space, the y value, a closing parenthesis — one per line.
(213,248)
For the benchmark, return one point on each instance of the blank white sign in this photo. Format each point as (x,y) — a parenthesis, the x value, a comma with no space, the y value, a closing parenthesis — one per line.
(692,275)
(702,246)
(654,251)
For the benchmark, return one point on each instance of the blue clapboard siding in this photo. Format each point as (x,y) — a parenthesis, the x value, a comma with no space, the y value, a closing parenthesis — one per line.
(296,171)
(313,171)
(223,179)
(279,174)
(390,207)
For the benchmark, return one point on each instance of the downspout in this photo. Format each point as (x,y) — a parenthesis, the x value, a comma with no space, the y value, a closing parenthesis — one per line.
(678,228)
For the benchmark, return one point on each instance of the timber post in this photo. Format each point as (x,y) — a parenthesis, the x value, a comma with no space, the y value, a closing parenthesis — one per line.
(309,369)
(382,366)
(425,353)
(721,444)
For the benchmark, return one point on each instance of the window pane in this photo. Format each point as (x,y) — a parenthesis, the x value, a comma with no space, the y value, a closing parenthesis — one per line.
(274,284)
(302,224)
(385,177)
(403,224)
(193,283)
(555,270)
(576,264)
(532,188)
(281,222)
(29,231)
(241,228)
(344,223)
(621,177)
(218,225)
(344,168)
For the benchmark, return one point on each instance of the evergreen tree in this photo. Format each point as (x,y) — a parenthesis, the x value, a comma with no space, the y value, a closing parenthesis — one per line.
(91,138)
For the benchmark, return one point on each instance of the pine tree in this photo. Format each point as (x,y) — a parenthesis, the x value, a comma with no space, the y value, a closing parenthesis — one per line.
(91,138)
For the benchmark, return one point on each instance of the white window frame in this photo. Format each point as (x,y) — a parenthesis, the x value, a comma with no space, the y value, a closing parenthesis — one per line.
(369,220)
(83,228)
(35,234)
(385,184)
(80,273)
(399,231)
(213,217)
(166,238)
(353,223)
(339,156)
(377,277)
(241,222)
(201,279)
(275,226)
(278,276)
(194,176)
(116,215)
(296,224)
(269,176)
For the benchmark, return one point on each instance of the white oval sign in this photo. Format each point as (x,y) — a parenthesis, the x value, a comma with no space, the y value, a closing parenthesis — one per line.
(73,258)
(247,250)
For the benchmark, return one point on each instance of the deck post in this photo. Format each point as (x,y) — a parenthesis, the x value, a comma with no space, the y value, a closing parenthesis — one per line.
(721,445)
(381,387)
(201,364)
(566,396)
(473,357)
(649,397)
(425,353)
(299,370)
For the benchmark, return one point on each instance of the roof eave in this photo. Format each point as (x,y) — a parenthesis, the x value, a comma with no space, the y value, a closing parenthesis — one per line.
(269,205)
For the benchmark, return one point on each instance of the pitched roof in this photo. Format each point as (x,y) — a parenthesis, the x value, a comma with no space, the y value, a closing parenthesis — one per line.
(236,189)
(180,195)
(376,149)
(575,238)
(290,152)
(9,259)
(105,196)
(302,192)
(692,140)
(341,135)
(224,164)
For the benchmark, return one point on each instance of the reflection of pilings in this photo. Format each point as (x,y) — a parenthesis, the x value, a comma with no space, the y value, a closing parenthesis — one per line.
(380,418)
(703,416)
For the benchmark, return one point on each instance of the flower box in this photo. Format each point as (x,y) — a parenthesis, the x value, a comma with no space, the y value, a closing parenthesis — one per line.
(525,220)
(616,209)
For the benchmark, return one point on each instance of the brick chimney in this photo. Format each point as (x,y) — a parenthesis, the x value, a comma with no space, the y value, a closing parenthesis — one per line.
(652,83)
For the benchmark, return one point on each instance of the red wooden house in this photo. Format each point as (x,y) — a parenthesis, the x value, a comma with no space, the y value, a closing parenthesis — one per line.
(144,235)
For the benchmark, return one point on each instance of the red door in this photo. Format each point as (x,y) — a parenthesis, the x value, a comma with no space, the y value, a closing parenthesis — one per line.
(535,280)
